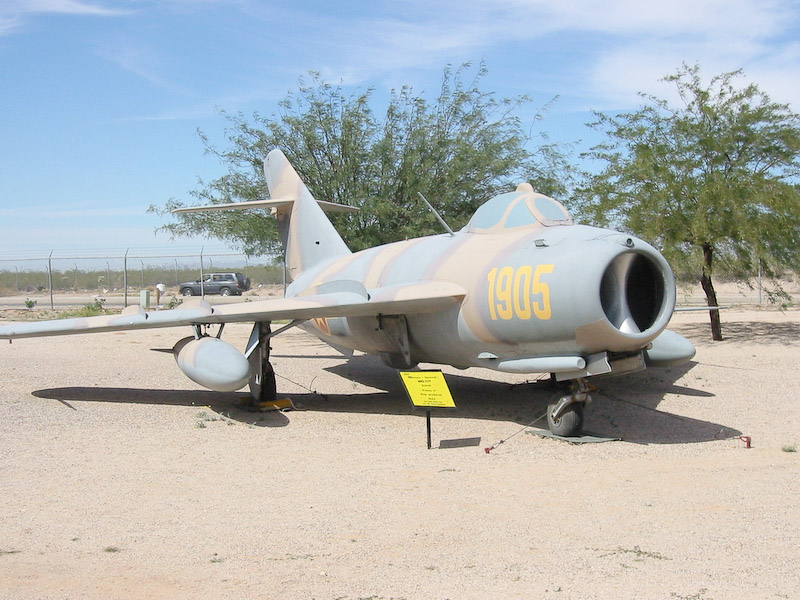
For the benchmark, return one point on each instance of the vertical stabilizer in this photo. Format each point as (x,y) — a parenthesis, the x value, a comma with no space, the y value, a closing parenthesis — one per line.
(308,236)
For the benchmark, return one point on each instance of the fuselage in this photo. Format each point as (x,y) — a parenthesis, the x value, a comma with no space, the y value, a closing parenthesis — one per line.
(558,291)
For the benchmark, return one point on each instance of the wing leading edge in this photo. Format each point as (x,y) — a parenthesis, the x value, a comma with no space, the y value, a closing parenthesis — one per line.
(409,299)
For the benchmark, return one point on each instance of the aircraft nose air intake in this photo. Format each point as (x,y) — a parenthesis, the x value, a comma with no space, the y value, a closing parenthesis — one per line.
(632,292)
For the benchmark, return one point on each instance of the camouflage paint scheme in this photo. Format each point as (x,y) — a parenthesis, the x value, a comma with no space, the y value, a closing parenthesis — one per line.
(521,289)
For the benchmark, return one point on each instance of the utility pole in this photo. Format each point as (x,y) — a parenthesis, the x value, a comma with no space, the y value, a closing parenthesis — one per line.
(50,278)
(125,277)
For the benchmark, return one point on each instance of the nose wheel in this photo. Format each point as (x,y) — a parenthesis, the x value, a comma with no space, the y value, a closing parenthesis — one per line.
(565,417)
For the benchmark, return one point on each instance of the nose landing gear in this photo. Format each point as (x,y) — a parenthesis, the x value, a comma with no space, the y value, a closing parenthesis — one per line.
(565,417)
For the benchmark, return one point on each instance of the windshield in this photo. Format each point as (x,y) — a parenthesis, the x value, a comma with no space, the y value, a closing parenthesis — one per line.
(523,208)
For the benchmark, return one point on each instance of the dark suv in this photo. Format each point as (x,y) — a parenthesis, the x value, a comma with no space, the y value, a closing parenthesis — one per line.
(225,284)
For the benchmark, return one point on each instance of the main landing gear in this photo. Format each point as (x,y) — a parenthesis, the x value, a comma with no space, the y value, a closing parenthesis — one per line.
(262,375)
(565,417)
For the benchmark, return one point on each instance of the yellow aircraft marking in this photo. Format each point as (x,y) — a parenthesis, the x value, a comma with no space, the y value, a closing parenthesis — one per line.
(477,254)
(510,292)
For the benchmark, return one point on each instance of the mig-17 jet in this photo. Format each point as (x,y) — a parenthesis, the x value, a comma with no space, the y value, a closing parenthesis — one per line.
(520,289)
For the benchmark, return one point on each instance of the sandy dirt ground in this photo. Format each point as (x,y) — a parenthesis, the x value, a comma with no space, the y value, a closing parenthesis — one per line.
(120,478)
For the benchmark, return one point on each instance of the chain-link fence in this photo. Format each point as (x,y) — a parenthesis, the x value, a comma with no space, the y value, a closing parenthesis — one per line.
(133,271)
(128,272)
(735,290)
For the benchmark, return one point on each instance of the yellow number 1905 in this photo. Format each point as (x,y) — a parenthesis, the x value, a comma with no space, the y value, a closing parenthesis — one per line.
(511,291)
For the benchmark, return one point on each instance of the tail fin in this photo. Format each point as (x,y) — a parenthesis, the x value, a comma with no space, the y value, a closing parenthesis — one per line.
(307,234)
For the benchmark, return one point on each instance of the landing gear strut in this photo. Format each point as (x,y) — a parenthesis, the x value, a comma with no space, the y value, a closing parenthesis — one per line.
(565,417)
(262,376)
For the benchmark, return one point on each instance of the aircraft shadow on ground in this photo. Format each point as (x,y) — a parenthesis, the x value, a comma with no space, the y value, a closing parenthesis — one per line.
(625,407)
(230,405)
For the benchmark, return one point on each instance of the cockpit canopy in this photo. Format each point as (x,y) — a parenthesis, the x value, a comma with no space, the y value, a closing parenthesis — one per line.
(522,208)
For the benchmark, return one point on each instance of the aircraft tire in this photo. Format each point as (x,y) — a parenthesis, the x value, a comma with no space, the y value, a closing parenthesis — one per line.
(570,424)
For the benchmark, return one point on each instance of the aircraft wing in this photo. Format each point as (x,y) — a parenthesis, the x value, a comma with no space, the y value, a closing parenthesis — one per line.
(353,302)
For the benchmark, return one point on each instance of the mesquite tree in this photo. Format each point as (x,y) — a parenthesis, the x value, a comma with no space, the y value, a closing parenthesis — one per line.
(713,180)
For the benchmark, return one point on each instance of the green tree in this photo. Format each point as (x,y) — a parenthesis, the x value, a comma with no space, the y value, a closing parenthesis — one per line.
(458,151)
(710,181)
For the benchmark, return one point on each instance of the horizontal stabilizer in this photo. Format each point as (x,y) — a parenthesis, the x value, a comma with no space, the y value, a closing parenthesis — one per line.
(275,203)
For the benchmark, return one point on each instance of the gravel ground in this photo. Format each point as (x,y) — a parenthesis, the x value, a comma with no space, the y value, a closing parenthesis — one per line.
(120,478)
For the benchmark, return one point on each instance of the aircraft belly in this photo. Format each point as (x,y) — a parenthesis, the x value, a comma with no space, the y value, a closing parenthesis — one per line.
(356,333)
(435,339)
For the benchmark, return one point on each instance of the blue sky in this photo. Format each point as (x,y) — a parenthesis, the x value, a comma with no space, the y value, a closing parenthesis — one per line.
(100,100)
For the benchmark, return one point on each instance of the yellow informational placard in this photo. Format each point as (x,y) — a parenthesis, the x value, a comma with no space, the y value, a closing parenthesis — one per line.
(427,389)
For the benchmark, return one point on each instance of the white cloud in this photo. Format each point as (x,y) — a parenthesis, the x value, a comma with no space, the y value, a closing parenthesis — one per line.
(8,23)
(630,45)
(640,65)
(65,7)
(139,58)
(662,19)
(13,13)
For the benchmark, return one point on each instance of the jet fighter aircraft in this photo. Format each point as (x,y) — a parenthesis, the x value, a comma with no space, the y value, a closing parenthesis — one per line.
(520,289)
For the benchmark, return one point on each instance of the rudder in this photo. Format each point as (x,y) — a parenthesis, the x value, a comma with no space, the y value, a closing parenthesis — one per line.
(307,234)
